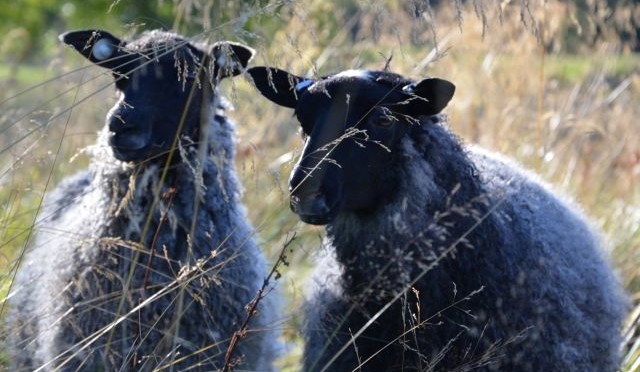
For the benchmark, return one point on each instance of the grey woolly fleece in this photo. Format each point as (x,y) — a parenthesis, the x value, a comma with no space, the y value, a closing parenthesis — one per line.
(510,276)
(79,305)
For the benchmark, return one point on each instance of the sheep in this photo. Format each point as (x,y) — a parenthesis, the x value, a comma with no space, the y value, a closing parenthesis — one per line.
(439,256)
(146,259)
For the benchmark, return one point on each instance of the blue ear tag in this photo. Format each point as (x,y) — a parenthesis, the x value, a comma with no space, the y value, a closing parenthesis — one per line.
(304,84)
(102,49)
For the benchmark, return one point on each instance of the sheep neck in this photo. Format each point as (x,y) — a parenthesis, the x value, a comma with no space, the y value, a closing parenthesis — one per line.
(197,175)
(431,220)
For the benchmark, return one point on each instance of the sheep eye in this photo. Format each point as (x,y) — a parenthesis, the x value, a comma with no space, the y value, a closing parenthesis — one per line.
(384,121)
(102,49)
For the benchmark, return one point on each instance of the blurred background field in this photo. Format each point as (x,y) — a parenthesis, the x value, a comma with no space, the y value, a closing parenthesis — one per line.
(554,84)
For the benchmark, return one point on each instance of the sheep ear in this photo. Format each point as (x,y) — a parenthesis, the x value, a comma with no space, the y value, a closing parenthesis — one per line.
(230,58)
(427,97)
(98,46)
(279,86)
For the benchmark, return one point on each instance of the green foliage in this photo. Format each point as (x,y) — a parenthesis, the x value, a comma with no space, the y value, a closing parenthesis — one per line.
(27,23)
(25,76)
(572,69)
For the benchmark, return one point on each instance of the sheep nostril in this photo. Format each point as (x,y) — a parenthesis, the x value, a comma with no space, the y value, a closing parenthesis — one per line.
(310,204)
(297,198)
(120,126)
(314,195)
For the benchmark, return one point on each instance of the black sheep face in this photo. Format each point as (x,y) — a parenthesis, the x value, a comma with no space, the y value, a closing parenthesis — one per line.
(353,123)
(165,83)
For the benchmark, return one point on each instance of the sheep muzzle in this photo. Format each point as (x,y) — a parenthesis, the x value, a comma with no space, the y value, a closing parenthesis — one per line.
(128,144)
(312,208)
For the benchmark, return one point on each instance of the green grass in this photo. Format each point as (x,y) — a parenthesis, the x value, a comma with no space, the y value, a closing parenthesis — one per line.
(22,75)
(574,69)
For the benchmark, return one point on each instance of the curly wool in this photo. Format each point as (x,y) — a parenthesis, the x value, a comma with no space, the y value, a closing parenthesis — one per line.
(79,303)
(491,269)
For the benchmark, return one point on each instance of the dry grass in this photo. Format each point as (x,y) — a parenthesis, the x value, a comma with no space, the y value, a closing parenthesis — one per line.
(571,117)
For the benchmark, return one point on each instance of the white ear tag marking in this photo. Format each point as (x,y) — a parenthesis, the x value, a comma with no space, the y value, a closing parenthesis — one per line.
(221,61)
(408,89)
(102,49)
(303,84)
(364,74)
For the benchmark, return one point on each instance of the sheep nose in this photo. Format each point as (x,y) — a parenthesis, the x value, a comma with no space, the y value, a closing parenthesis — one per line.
(124,117)
(117,123)
(315,201)
(311,207)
